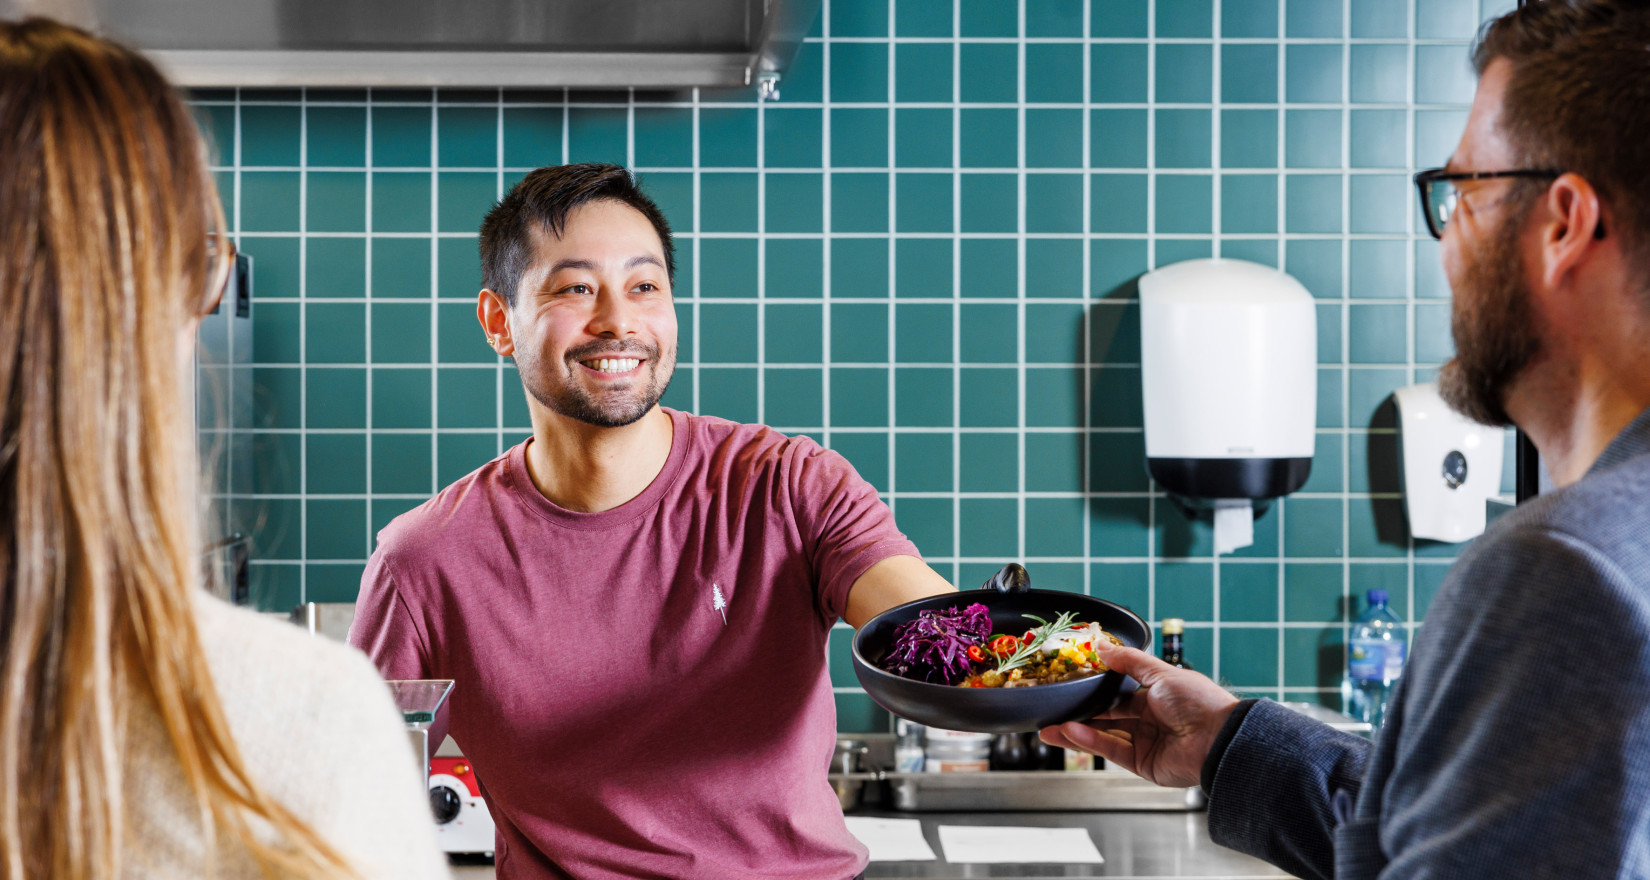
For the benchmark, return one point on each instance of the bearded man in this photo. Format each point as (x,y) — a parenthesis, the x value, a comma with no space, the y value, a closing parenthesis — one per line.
(1518,744)
(635,603)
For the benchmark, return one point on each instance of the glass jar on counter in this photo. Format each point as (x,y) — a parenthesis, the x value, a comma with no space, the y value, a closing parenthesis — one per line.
(908,751)
(955,751)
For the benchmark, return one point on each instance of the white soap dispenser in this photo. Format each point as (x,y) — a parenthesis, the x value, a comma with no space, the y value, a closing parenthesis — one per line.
(1451,466)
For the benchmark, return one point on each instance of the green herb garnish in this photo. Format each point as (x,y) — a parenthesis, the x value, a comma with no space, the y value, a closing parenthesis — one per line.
(1028,650)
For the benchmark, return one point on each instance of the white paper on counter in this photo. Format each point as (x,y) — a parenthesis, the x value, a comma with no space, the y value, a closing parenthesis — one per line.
(891,840)
(1234,524)
(965,844)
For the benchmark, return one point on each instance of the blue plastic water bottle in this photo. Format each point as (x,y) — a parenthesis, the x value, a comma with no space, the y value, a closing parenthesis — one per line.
(1374,660)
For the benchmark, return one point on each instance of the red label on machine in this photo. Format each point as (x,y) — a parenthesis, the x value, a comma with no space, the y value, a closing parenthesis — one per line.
(458,768)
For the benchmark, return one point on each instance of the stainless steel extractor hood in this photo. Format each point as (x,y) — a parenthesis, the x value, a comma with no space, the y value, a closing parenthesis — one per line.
(464,43)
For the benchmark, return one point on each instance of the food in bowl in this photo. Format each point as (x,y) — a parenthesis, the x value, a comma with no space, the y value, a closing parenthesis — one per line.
(956,646)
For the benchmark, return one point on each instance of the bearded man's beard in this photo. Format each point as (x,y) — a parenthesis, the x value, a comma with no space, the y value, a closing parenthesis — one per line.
(562,394)
(1493,326)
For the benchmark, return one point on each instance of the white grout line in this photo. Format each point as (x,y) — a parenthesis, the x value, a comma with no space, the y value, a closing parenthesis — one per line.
(1214,227)
(893,272)
(1152,610)
(1282,258)
(498,361)
(826,294)
(435,273)
(1022,331)
(366,226)
(761,264)
(232,515)
(1409,297)
(683,169)
(1346,331)
(303,343)
(956,293)
(698,275)
(1086,407)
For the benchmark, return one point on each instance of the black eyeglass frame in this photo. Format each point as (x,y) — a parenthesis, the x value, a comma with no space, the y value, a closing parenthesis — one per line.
(1425,179)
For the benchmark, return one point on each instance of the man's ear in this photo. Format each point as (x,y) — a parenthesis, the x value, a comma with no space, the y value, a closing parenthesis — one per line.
(1572,223)
(494,314)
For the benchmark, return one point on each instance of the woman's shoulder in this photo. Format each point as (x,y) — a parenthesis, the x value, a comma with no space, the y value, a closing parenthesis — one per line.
(265,665)
(295,701)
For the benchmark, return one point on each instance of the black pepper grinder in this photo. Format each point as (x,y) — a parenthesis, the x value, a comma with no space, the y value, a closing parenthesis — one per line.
(1044,756)
(1008,752)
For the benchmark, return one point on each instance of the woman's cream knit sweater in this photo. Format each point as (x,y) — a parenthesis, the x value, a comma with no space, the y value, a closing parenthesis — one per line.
(317,729)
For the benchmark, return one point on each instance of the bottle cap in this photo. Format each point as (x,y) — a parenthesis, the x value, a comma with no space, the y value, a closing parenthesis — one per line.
(1377,597)
(1173,626)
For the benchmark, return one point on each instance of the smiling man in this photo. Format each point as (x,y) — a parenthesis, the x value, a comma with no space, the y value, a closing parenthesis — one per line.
(635,602)
(1518,744)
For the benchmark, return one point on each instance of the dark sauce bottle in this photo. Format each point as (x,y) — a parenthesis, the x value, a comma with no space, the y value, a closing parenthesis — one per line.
(1174,631)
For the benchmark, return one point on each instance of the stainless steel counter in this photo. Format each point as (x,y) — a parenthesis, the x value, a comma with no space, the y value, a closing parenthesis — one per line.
(1134,845)
(1155,844)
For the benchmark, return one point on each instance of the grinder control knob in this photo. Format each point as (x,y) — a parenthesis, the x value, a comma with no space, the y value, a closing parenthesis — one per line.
(444,803)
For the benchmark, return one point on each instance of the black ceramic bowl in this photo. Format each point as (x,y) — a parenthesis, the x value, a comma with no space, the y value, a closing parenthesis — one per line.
(998,710)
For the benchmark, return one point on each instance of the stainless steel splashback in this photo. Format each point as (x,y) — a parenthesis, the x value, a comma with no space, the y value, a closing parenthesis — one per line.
(224,423)
(538,43)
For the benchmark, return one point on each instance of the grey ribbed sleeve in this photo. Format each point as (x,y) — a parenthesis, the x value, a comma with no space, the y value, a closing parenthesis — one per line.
(1275,786)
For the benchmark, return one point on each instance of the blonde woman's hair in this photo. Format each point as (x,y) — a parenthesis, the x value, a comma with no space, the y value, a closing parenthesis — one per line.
(106,208)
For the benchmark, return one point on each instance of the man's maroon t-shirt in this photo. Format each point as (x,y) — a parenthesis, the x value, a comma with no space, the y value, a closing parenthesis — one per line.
(642,691)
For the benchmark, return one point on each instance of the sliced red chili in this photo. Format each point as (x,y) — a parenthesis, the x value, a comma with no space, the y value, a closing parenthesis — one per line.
(975,654)
(1004,645)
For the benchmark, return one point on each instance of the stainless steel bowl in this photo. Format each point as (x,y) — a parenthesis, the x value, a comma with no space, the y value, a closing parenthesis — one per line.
(849,790)
(847,772)
(849,756)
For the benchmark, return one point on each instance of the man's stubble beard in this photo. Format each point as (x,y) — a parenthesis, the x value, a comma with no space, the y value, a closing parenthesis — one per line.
(568,399)
(1493,328)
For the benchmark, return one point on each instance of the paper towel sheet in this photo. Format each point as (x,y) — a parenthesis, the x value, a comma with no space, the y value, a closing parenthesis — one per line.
(965,844)
(891,840)
(1234,524)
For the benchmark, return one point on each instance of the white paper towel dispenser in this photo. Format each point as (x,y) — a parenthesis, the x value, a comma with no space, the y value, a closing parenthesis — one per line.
(1451,466)
(1229,372)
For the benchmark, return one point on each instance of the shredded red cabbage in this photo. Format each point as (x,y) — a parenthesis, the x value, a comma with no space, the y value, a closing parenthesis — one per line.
(934,647)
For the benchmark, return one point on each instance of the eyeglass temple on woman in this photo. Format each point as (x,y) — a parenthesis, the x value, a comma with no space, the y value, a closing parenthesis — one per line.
(220,255)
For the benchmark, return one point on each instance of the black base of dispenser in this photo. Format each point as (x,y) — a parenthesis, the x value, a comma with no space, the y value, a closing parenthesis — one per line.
(1230,477)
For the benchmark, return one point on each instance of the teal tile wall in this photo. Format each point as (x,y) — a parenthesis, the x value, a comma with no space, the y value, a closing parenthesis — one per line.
(923,256)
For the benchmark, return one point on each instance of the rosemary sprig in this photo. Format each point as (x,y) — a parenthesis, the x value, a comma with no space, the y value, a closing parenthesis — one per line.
(1032,648)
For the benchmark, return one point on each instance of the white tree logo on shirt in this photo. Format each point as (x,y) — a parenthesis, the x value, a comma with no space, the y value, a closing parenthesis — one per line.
(718,603)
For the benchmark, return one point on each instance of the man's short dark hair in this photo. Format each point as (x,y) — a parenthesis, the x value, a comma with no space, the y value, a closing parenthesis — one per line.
(542,200)
(1578,99)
